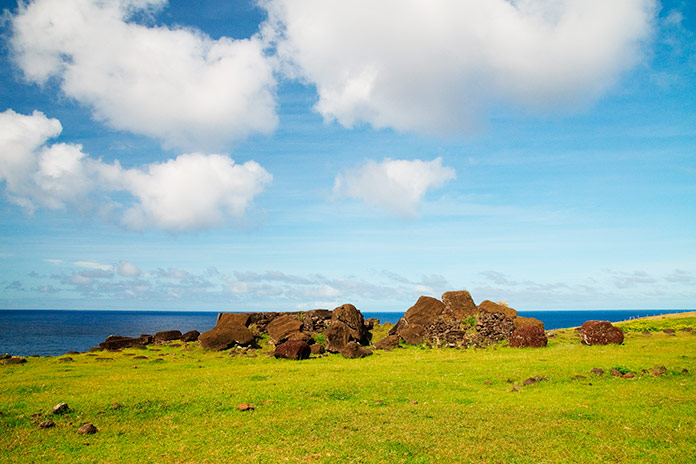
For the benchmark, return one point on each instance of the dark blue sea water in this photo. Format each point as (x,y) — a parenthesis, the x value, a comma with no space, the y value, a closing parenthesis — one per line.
(52,333)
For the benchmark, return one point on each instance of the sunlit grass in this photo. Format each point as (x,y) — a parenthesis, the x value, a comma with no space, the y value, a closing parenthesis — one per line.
(414,405)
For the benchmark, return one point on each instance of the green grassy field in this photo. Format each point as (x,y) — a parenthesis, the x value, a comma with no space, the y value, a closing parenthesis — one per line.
(411,405)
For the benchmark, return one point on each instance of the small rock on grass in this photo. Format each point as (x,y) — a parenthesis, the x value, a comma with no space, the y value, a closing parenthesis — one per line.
(245,407)
(628,375)
(597,371)
(47,424)
(116,405)
(87,429)
(516,388)
(61,408)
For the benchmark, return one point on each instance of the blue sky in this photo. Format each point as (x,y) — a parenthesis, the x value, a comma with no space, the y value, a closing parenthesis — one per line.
(283,155)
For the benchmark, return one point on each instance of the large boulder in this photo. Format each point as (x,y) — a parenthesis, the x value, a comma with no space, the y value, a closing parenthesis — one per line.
(118,342)
(398,327)
(388,343)
(520,321)
(167,335)
(353,350)
(600,333)
(491,307)
(222,338)
(413,334)
(336,336)
(530,335)
(349,315)
(425,312)
(190,336)
(282,327)
(232,319)
(459,305)
(347,324)
(293,349)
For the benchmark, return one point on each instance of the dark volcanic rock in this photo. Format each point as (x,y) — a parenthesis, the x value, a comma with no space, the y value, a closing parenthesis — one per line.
(190,336)
(425,312)
(337,335)
(87,429)
(520,321)
(459,305)
(388,343)
(349,315)
(600,333)
(47,424)
(117,342)
(494,326)
(528,336)
(669,331)
(352,350)
(317,348)
(597,371)
(221,338)
(61,408)
(400,325)
(293,349)
(316,320)
(232,319)
(282,327)
(371,323)
(14,360)
(413,334)
(491,307)
(167,335)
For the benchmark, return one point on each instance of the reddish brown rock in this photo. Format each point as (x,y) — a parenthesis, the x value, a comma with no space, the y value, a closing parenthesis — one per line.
(459,305)
(658,370)
(166,335)
(491,307)
(600,333)
(388,343)
(351,317)
(47,424)
(245,407)
(425,312)
(532,336)
(222,338)
(413,334)
(337,335)
(282,327)
(521,321)
(398,327)
(293,349)
(61,408)
(87,429)
(190,336)
(232,319)
(628,375)
(669,331)
(616,373)
(317,348)
(597,371)
(353,350)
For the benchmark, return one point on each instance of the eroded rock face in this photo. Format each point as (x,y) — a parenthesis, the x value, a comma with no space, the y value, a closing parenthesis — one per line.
(532,335)
(494,326)
(413,334)
(232,319)
(459,305)
(337,335)
(520,321)
(281,328)
(293,349)
(426,311)
(222,338)
(600,333)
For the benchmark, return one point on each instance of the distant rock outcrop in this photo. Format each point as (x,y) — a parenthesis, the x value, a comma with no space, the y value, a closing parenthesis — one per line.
(226,336)
(458,321)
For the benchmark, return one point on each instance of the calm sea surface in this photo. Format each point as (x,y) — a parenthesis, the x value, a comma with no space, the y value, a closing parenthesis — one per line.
(52,333)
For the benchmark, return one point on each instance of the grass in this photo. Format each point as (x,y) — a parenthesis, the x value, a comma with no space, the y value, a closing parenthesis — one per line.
(411,405)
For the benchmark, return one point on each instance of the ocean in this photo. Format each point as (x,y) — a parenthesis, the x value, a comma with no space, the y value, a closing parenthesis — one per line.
(54,332)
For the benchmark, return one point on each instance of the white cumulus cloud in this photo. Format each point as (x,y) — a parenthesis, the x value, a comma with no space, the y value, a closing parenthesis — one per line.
(398,186)
(174,84)
(432,66)
(192,191)
(126,269)
(93,265)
